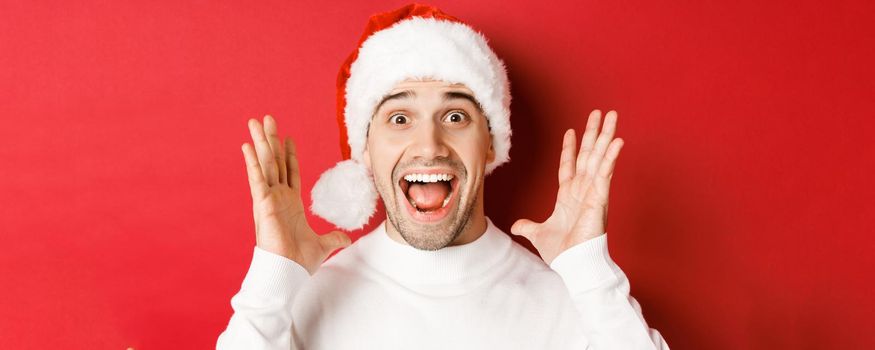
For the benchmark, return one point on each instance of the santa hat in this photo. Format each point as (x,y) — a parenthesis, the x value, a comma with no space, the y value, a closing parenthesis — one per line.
(413,42)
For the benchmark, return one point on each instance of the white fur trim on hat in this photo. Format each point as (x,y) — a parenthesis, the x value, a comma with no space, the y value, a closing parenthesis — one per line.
(428,48)
(345,195)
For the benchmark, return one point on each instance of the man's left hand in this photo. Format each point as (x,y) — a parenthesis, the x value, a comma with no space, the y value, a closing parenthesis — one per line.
(581,211)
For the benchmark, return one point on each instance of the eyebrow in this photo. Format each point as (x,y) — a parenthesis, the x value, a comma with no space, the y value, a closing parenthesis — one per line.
(448,96)
(457,95)
(396,96)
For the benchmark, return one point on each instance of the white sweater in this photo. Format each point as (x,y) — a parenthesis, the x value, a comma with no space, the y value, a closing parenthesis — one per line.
(489,294)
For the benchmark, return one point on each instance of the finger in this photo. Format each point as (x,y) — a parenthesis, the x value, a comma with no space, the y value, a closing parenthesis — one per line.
(257,187)
(276,146)
(525,228)
(265,155)
(292,163)
(606,169)
(566,160)
(588,141)
(601,145)
(334,240)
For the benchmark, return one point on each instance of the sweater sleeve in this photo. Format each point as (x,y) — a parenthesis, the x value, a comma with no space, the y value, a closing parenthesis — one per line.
(262,316)
(611,317)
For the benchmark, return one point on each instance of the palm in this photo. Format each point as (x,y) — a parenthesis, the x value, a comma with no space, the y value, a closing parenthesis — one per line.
(581,206)
(281,211)
(280,223)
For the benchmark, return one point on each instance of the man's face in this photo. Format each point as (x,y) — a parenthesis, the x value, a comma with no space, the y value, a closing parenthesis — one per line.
(428,146)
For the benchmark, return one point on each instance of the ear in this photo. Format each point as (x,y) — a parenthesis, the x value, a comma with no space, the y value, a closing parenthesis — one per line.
(366,158)
(490,153)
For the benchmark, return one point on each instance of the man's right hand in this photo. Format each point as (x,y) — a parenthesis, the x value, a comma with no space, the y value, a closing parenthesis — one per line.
(275,183)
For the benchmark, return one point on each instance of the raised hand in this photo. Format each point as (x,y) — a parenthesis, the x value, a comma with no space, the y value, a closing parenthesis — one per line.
(275,183)
(581,211)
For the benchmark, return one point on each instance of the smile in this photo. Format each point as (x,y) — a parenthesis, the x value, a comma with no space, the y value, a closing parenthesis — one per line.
(429,194)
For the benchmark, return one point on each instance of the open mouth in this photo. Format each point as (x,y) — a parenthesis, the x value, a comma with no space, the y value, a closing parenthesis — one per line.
(429,194)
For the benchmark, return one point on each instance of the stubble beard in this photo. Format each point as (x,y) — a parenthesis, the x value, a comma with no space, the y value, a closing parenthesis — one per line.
(430,237)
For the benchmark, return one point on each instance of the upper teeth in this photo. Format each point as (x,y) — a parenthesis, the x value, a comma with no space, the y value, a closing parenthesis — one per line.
(428,177)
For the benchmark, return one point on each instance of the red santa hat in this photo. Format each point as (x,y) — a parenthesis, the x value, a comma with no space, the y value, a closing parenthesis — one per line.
(413,42)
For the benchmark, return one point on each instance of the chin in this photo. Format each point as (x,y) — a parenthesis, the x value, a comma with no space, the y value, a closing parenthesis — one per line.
(432,235)
(429,204)
(425,240)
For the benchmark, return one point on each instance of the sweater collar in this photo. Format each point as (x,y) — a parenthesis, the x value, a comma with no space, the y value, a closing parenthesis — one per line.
(454,265)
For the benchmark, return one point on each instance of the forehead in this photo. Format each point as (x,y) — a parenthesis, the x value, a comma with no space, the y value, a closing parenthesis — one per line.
(418,84)
(409,91)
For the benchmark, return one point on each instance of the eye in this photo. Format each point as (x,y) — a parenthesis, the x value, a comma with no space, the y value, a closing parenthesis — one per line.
(456,117)
(399,119)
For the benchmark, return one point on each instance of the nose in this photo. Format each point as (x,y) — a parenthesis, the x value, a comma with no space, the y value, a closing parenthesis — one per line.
(429,142)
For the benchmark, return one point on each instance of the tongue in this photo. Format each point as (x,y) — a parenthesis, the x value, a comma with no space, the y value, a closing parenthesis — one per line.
(428,196)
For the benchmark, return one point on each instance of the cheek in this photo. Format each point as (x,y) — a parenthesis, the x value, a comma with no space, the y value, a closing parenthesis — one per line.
(473,148)
(384,156)
(473,155)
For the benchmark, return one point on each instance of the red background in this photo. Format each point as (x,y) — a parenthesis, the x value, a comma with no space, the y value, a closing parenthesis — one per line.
(741,208)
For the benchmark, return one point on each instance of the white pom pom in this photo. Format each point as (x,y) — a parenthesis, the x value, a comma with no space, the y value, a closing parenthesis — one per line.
(345,195)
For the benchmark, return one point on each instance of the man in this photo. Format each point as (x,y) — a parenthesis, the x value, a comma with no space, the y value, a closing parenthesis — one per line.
(424,116)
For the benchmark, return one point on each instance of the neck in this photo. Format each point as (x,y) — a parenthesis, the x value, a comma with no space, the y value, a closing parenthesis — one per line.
(444,272)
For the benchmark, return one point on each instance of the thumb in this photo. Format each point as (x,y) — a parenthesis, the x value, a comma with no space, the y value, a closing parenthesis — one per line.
(525,228)
(334,240)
